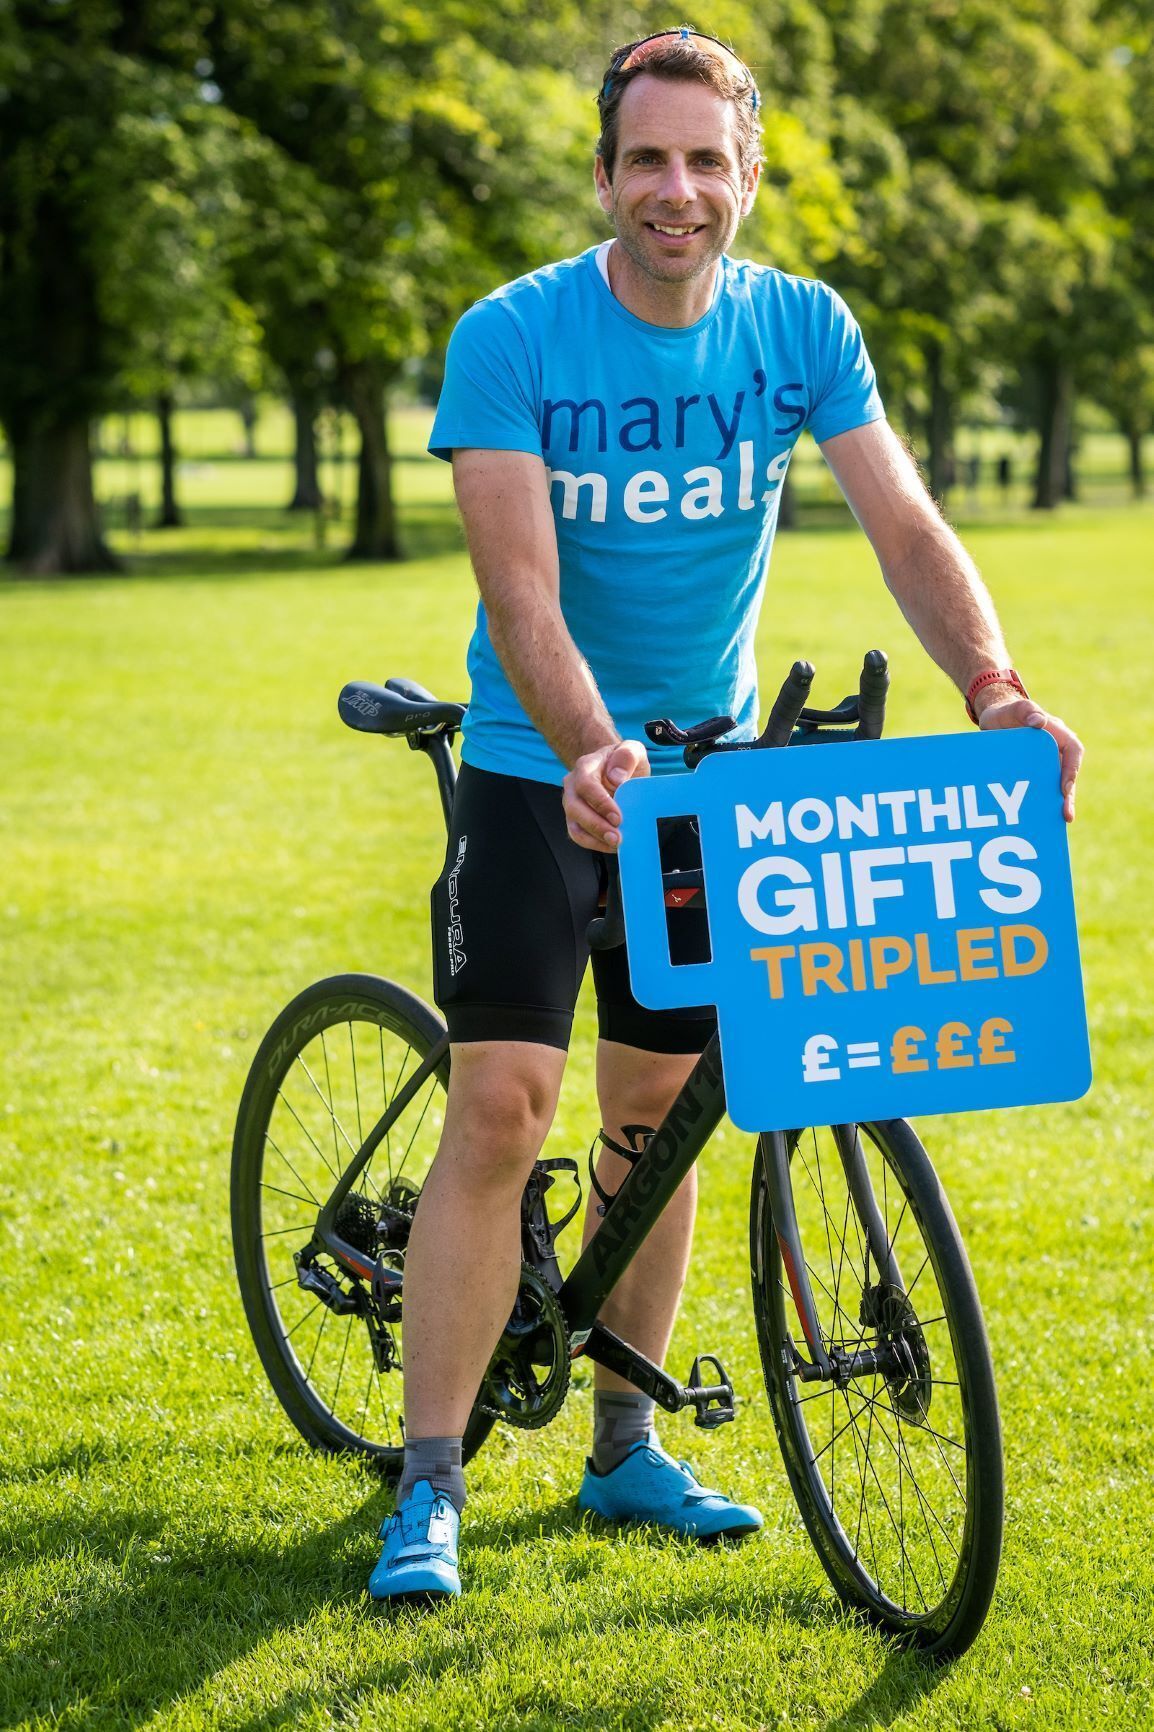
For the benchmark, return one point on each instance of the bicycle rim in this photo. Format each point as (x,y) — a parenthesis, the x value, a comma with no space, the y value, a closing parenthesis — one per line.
(332,1065)
(897,1473)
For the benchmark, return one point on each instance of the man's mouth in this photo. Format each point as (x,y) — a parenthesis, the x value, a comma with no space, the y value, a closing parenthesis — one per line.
(678,231)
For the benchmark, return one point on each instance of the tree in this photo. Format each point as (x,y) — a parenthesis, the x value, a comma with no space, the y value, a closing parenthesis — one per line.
(110,141)
(417,168)
(1001,128)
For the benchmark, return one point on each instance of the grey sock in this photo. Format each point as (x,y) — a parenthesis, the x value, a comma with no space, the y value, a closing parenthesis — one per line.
(619,1421)
(437,1459)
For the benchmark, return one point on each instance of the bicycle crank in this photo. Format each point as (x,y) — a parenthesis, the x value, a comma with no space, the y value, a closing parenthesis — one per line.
(528,1375)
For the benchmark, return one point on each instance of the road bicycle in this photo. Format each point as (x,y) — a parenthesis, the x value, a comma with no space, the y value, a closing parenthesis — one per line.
(871,1339)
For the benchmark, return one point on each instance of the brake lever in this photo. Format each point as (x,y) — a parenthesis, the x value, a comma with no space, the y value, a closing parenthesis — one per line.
(663,732)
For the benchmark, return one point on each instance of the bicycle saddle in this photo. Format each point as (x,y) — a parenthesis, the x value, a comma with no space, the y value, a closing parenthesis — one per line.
(397,707)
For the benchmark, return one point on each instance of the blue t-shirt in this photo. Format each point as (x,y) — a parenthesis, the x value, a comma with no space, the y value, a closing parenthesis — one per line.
(666,450)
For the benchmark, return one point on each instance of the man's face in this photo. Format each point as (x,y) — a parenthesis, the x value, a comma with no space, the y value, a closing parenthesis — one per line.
(677,193)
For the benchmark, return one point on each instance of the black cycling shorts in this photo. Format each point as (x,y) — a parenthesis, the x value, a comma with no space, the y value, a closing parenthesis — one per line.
(510,913)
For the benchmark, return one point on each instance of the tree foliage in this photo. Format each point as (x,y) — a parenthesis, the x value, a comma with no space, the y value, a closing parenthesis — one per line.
(225,186)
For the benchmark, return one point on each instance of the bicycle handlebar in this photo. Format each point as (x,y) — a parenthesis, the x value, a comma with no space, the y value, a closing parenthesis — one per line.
(783,717)
(788,719)
(872,689)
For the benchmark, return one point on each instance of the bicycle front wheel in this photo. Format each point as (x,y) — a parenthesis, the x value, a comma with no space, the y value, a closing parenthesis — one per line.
(332,1067)
(897,1470)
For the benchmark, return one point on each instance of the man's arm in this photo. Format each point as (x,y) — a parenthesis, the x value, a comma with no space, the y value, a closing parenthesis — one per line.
(936,583)
(503,497)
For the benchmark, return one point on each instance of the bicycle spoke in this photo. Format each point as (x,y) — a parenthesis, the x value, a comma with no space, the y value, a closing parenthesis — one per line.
(420,1122)
(347,1059)
(922,1500)
(282,1096)
(356,1085)
(302,1182)
(301,1320)
(329,1101)
(265,1186)
(316,1344)
(888,1473)
(341,1367)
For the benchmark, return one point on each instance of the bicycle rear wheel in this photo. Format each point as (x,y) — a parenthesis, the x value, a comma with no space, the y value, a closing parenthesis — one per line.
(332,1065)
(897,1472)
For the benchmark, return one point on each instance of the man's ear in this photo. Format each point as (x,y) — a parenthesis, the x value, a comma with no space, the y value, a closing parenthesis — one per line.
(749,190)
(602,186)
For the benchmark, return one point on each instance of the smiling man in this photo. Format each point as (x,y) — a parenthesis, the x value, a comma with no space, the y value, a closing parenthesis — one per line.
(620,425)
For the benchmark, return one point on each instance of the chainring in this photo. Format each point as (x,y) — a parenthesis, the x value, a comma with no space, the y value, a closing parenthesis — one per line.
(528,1376)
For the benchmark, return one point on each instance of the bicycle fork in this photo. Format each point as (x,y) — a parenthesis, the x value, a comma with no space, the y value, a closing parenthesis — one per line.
(775,1150)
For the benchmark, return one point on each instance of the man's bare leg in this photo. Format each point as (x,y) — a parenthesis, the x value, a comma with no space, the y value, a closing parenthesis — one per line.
(464,1255)
(638,1088)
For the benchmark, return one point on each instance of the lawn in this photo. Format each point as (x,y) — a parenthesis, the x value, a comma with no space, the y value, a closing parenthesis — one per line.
(190,837)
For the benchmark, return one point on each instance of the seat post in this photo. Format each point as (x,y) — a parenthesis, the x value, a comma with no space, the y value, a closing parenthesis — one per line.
(439,748)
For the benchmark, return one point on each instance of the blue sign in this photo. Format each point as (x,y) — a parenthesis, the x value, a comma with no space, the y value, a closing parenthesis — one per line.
(891,924)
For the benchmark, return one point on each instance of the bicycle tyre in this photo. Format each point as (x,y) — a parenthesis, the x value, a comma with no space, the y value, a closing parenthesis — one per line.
(968,1518)
(363,1012)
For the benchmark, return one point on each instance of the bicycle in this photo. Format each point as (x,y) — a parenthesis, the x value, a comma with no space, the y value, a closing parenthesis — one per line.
(870,1332)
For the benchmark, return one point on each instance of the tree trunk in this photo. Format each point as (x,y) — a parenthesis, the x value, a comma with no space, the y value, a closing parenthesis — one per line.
(170,517)
(939,428)
(1056,398)
(248,418)
(307,495)
(376,531)
(55,527)
(1137,470)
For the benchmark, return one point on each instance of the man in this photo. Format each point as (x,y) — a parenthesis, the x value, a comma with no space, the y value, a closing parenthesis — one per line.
(619,426)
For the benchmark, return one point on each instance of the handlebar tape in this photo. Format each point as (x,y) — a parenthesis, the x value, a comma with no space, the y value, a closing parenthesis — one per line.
(789,705)
(872,689)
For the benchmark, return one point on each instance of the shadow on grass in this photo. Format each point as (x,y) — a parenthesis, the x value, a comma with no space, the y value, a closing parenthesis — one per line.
(161,1611)
(904,1680)
(207,550)
(148,1608)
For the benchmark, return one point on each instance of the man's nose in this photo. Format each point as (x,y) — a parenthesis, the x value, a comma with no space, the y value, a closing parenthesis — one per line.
(677,186)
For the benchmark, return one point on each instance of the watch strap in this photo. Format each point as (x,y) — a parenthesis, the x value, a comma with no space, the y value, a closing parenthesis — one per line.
(993,676)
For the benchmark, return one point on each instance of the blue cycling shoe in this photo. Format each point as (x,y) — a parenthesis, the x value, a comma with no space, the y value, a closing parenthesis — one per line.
(419,1557)
(649,1486)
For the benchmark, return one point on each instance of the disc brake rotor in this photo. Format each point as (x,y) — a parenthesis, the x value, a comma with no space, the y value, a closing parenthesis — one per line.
(528,1375)
(909,1378)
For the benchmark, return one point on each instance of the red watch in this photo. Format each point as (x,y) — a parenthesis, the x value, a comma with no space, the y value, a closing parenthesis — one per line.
(993,676)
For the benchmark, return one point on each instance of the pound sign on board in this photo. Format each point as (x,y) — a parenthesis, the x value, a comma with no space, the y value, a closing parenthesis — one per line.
(904,1049)
(815,1060)
(952,1055)
(992,1048)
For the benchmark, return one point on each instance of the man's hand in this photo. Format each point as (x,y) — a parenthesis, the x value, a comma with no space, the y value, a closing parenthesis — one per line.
(592,816)
(1025,713)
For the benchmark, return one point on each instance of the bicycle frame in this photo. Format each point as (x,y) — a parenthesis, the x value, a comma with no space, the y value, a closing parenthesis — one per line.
(651,1183)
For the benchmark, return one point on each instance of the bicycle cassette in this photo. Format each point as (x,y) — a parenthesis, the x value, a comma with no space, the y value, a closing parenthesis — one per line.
(528,1375)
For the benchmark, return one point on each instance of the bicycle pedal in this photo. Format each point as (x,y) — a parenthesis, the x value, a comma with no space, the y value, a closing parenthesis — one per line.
(712,1402)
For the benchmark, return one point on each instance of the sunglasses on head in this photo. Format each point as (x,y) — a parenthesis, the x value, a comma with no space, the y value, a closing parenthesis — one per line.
(637,53)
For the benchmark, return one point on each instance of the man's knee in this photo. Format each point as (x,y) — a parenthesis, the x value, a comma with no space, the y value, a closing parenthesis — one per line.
(638,1087)
(502,1098)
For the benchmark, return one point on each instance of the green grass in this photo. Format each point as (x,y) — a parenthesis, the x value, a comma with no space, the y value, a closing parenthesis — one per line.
(190,837)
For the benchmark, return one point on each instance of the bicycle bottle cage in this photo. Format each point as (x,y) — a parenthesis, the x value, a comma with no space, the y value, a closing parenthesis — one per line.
(538,1233)
(640,1136)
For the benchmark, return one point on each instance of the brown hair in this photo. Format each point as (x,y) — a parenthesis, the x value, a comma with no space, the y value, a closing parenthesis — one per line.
(685,59)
